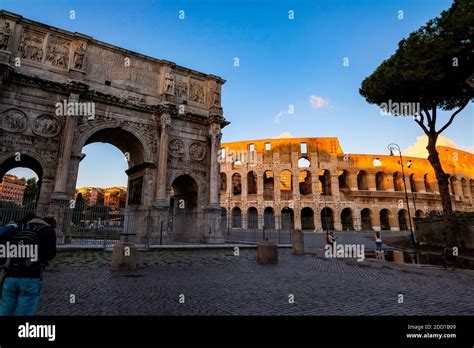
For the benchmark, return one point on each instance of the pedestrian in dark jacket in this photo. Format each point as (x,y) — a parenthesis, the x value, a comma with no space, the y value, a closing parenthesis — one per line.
(22,277)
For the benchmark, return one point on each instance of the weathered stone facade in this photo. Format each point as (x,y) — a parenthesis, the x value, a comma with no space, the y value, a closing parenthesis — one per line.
(303,176)
(165,118)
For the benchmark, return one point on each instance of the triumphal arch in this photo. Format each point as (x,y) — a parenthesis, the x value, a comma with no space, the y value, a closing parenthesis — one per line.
(60,91)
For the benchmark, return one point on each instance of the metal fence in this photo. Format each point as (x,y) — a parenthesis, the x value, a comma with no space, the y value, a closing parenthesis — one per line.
(102,227)
(88,225)
(253,228)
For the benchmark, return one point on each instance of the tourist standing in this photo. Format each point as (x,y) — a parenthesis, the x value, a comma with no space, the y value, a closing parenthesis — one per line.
(22,275)
(378,246)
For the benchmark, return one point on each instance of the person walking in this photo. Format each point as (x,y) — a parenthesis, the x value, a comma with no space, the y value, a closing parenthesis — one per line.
(378,246)
(330,238)
(22,275)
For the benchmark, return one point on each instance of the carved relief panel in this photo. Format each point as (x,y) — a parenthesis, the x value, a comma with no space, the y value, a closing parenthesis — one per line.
(181,86)
(176,148)
(58,52)
(197,151)
(216,99)
(13,121)
(5,34)
(31,45)
(169,83)
(196,91)
(78,55)
(46,126)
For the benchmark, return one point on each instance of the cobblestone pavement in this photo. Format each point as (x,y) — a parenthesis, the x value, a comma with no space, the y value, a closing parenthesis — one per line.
(215,282)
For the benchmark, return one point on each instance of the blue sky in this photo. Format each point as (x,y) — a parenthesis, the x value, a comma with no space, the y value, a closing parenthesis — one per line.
(282,62)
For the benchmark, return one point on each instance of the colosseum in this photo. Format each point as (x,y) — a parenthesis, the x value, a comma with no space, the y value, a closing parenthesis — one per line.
(311,184)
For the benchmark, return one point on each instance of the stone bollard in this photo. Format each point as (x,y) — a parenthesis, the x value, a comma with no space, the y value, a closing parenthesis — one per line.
(297,238)
(267,252)
(124,257)
(398,256)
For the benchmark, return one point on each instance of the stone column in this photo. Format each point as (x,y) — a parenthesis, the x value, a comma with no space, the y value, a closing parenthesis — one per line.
(318,226)
(165,124)
(230,190)
(394,224)
(259,187)
(337,220)
(243,175)
(59,201)
(295,182)
(215,136)
(297,215)
(371,181)
(276,187)
(161,216)
(389,183)
(357,220)
(352,180)
(212,233)
(64,157)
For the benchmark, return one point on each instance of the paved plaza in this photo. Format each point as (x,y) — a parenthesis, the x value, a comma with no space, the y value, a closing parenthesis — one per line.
(215,282)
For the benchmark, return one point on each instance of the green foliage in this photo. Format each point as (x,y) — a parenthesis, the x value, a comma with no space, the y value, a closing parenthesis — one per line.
(31,191)
(431,66)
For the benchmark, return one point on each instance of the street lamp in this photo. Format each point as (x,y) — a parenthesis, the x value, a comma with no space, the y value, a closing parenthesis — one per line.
(391,148)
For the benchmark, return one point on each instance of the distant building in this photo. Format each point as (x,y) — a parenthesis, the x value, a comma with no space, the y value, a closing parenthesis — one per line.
(91,195)
(12,188)
(115,197)
(312,184)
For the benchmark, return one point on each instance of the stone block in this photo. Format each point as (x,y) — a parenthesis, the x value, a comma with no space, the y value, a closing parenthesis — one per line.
(297,238)
(124,257)
(398,256)
(267,252)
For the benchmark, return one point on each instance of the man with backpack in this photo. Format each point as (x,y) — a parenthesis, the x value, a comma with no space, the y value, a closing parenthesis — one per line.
(22,276)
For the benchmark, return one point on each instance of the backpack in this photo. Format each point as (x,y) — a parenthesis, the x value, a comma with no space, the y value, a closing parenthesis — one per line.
(26,235)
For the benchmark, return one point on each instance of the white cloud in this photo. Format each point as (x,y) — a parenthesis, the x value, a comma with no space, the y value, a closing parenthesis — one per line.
(317,102)
(419,148)
(283,135)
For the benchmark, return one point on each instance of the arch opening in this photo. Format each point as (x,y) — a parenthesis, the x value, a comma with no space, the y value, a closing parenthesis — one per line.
(385,220)
(307,219)
(268,185)
(327,219)
(347,220)
(397,181)
(325,183)
(403,220)
(269,218)
(287,219)
(366,219)
(236,184)
(236,218)
(305,183)
(251,183)
(362,183)
(380,179)
(252,218)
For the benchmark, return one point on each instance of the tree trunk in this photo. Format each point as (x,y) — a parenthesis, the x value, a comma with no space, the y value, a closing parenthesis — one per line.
(441,177)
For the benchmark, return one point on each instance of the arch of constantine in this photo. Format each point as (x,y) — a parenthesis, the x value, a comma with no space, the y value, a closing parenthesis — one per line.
(318,187)
(60,91)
